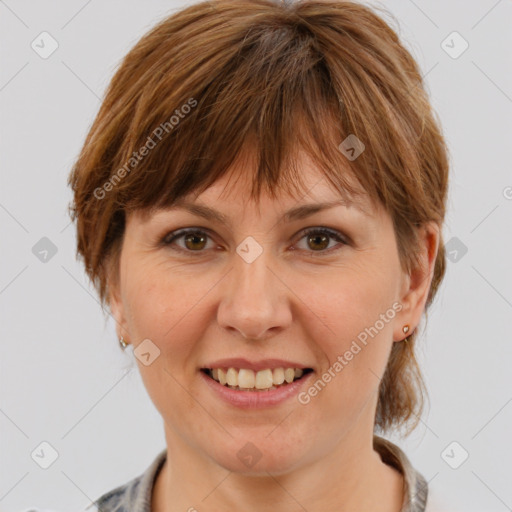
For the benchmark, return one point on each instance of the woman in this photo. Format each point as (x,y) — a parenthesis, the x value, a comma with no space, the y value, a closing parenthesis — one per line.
(259,203)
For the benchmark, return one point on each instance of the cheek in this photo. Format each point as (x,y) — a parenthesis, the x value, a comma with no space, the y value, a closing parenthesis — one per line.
(351,331)
(156,299)
(345,301)
(168,307)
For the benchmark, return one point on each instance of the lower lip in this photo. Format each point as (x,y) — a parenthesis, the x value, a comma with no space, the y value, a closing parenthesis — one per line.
(256,399)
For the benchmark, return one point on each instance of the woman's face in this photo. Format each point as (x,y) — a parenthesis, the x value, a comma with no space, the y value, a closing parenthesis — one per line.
(258,288)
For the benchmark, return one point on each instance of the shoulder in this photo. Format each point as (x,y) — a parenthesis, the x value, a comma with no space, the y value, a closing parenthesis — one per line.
(116,500)
(121,499)
(133,496)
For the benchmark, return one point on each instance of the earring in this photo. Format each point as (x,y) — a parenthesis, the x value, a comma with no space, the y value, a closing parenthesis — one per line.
(123,343)
(405,328)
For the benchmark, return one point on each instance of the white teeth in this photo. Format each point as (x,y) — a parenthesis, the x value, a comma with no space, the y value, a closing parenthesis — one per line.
(278,376)
(261,380)
(289,374)
(232,377)
(246,378)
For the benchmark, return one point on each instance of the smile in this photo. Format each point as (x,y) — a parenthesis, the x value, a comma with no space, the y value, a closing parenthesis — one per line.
(244,379)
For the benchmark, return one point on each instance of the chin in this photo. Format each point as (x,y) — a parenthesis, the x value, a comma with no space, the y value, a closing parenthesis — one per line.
(257,455)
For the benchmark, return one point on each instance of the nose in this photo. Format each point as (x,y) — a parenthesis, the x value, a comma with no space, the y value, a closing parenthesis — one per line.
(255,302)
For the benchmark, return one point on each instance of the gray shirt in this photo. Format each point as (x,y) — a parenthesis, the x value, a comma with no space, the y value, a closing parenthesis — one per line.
(135,495)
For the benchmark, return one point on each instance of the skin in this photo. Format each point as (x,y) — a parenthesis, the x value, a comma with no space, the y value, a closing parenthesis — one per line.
(289,303)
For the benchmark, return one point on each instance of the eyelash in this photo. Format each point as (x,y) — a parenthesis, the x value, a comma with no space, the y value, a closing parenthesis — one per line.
(175,235)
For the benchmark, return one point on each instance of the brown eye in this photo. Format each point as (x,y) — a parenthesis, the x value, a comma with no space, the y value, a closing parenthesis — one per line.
(318,240)
(194,240)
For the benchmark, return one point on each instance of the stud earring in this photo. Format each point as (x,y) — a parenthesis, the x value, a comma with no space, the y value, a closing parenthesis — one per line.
(405,328)
(123,343)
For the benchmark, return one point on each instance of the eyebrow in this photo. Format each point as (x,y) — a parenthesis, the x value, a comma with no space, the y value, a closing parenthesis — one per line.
(297,213)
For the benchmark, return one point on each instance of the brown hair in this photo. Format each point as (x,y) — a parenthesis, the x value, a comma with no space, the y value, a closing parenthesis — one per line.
(221,74)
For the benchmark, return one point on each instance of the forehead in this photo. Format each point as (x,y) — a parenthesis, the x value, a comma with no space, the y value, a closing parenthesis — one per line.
(229,197)
(235,186)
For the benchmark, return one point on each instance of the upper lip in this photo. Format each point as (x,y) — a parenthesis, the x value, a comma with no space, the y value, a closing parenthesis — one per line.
(262,364)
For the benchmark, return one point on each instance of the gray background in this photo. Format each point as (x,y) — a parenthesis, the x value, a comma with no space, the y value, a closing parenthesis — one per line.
(63,378)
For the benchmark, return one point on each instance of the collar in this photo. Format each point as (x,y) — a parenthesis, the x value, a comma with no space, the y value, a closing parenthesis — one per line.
(415,485)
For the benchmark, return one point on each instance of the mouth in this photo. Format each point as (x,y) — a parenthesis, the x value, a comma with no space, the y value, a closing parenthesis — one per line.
(243,379)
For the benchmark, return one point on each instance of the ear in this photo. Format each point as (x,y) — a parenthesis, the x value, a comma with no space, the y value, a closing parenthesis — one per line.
(416,285)
(116,305)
